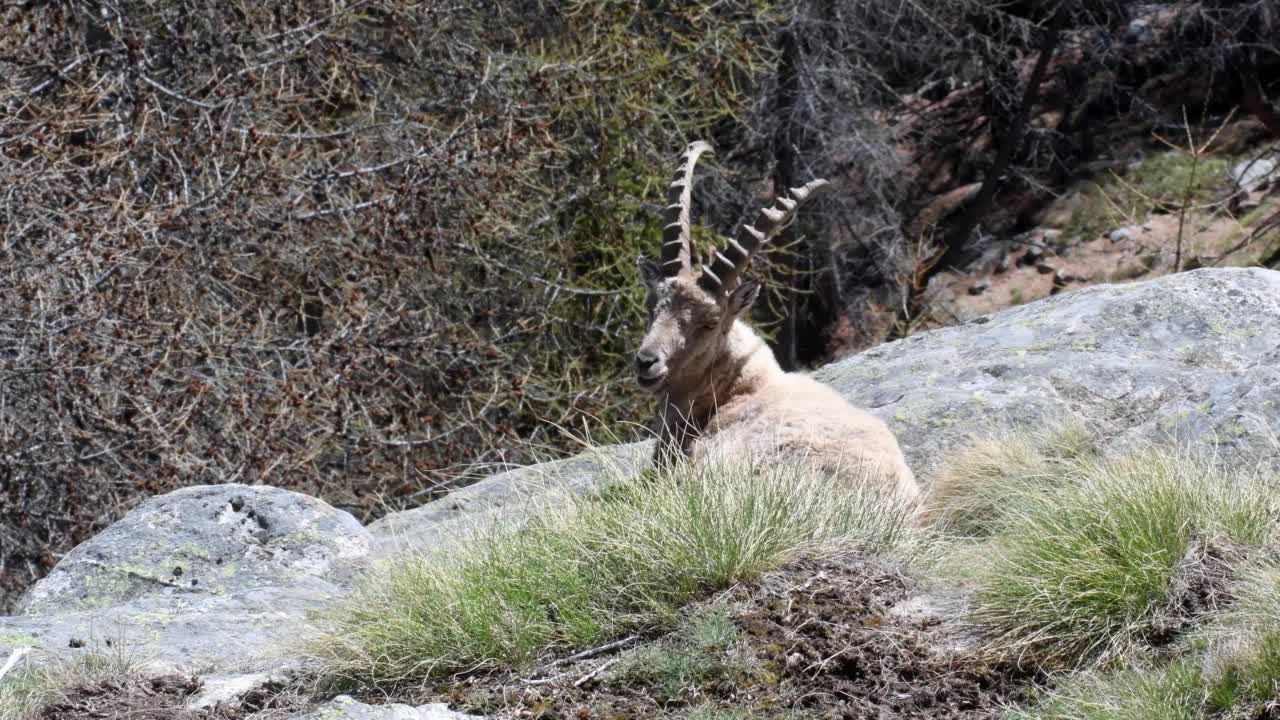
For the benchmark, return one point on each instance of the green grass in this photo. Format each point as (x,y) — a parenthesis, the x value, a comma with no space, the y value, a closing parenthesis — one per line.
(1242,665)
(968,497)
(1085,570)
(706,649)
(1170,693)
(24,691)
(598,567)
(1159,183)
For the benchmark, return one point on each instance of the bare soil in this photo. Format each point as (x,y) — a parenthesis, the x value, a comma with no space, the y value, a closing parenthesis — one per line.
(1144,250)
(158,698)
(823,642)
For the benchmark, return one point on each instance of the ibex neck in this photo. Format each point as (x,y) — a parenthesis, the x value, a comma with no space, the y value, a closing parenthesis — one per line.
(744,364)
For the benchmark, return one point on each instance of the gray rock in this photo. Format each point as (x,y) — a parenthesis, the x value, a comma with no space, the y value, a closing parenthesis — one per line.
(1121,235)
(219,579)
(345,708)
(1032,255)
(508,497)
(1256,174)
(1191,358)
(204,541)
(1139,31)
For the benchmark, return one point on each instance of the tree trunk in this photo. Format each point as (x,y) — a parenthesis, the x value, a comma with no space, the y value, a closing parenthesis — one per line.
(958,250)
(788,268)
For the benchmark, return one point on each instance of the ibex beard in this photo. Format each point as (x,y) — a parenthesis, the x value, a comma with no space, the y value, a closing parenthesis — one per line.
(720,389)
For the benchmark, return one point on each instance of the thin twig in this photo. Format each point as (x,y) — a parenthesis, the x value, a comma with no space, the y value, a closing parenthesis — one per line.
(61,72)
(179,96)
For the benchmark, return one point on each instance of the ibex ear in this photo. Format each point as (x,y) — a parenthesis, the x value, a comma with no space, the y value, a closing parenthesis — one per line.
(743,297)
(649,271)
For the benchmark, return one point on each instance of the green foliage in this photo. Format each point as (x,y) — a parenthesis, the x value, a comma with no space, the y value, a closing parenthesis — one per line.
(599,567)
(1084,570)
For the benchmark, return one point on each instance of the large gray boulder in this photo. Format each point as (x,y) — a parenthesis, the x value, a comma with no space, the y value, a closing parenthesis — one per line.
(1192,358)
(217,580)
(202,542)
(509,498)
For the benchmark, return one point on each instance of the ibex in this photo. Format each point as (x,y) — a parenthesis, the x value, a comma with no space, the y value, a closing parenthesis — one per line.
(719,387)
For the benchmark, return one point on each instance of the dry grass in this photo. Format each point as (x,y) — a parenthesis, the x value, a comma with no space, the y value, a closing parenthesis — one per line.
(595,568)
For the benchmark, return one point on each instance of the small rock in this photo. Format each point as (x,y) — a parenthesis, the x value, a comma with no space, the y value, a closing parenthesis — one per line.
(1257,174)
(1139,31)
(1032,256)
(1060,280)
(1121,235)
(980,287)
(1247,203)
(1002,266)
(227,689)
(1044,268)
(344,707)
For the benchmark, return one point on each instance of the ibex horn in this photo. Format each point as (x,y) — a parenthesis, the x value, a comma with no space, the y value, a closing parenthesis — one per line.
(675,231)
(722,274)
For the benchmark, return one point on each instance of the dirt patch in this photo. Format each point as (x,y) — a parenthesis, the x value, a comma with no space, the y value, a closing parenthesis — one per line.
(157,698)
(1048,260)
(816,640)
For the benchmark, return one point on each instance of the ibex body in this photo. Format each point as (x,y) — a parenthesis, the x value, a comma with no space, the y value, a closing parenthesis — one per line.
(721,391)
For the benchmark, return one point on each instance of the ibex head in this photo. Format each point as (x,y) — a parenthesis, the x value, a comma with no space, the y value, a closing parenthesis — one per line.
(691,311)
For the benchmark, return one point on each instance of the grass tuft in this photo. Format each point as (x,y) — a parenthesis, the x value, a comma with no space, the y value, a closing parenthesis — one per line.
(26,690)
(1171,693)
(706,649)
(1089,568)
(1242,659)
(970,494)
(597,567)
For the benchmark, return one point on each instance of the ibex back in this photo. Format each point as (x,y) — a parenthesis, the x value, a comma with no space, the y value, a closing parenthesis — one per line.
(721,392)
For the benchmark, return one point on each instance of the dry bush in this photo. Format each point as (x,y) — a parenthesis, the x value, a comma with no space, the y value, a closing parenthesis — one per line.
(348,248)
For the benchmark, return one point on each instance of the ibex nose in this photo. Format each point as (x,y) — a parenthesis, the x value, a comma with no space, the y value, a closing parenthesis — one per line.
(645,360)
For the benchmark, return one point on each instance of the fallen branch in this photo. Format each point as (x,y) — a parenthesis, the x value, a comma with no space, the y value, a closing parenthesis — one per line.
(597,651)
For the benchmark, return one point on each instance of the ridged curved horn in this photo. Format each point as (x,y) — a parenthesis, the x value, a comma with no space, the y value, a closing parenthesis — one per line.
(675,229)
(721,276)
